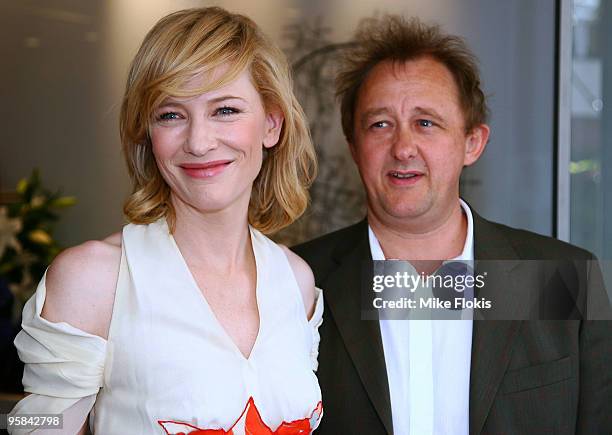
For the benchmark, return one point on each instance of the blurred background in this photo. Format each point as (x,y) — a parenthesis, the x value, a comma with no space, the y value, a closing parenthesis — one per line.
(545,66)
(65,63)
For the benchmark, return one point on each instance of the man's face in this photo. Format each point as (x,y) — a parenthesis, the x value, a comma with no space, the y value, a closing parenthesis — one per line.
(410,143)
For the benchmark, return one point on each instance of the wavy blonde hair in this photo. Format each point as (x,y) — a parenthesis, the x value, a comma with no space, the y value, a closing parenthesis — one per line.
(191,43)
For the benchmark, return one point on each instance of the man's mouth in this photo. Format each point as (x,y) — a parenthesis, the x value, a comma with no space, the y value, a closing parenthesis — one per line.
(405,177)
(403,174)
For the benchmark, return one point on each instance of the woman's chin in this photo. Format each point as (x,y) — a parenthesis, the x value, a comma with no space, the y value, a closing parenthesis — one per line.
(214,204)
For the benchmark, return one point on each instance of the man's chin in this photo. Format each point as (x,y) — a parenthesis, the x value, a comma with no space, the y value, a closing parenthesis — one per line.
(403,212)
(412,214)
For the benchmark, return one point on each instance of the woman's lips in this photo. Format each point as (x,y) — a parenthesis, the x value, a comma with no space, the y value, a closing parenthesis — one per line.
(205,170)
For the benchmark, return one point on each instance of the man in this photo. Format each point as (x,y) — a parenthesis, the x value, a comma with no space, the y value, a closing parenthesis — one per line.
(414,115)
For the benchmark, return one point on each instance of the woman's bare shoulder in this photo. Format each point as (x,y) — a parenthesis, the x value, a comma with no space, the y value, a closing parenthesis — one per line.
(81,285)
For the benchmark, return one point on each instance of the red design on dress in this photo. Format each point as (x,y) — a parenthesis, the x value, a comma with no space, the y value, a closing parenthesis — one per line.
(253,424)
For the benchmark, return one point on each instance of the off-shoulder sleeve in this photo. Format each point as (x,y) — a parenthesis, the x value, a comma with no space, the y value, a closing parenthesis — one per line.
(64,366)
(315,322)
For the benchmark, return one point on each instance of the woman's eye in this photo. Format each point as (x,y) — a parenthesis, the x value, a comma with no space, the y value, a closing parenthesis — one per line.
(425,123)
(225,111)
(168,116)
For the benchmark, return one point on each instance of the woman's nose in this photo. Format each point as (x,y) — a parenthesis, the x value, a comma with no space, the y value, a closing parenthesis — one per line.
(200,138)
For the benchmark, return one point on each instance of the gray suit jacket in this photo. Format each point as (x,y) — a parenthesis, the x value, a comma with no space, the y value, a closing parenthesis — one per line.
(527,377)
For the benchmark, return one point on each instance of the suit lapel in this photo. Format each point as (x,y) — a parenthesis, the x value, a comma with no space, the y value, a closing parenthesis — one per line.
(362,338)
(492,341)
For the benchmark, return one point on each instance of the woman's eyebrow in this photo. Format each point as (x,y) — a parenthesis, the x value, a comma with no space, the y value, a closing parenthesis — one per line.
(225,97)
(171,101)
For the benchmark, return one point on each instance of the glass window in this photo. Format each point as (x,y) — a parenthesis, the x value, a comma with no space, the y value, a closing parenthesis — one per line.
(590,165)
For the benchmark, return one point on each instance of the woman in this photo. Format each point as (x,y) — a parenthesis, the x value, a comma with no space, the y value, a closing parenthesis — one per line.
(190,320)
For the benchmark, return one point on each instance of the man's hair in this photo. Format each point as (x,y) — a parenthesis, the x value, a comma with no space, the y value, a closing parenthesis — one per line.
(395,39)
(193,43)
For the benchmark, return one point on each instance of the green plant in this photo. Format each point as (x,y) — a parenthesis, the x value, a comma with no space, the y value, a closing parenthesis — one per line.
(27,246)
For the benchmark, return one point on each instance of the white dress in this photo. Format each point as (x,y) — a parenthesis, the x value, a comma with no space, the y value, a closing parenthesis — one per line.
(168,366)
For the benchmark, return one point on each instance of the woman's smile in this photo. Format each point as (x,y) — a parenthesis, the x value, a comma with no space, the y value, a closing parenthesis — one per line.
(206,170)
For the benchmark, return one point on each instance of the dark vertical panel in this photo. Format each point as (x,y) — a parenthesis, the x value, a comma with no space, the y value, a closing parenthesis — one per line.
(555,122)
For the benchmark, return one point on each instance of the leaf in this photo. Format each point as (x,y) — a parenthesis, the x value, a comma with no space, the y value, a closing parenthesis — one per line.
(22,186)
(63,201)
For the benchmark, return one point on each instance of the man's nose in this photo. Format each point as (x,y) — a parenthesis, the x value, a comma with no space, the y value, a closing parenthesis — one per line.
(200,139)
(404,144)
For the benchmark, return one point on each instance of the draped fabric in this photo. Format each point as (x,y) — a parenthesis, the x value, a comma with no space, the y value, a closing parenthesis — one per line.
(167,358)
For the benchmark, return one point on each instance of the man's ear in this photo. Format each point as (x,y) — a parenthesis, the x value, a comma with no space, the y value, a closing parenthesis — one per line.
(274,125)
(475,143)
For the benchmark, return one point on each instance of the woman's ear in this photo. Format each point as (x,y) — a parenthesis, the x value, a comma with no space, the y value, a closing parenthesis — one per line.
(475,143)
(274,125)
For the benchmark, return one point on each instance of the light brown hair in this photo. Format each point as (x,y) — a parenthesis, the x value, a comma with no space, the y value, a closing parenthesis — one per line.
(191,43)
(393,38)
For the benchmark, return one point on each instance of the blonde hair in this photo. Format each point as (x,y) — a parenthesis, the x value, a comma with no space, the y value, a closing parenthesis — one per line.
(194,42)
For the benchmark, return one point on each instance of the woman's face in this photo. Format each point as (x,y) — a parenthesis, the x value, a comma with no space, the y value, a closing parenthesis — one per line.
(209,148)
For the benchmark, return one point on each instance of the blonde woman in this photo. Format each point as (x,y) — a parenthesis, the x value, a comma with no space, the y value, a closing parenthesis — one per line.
(190,320)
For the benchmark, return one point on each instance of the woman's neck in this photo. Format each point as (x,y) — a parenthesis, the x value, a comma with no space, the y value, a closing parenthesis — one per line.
(217,240)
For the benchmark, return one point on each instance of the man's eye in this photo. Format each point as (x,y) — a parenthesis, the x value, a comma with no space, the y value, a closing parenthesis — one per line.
(225,111)
(425,123)
(380,124)
(168,116)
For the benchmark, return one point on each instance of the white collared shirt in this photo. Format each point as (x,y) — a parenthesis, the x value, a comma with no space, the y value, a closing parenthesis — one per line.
(428,364)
